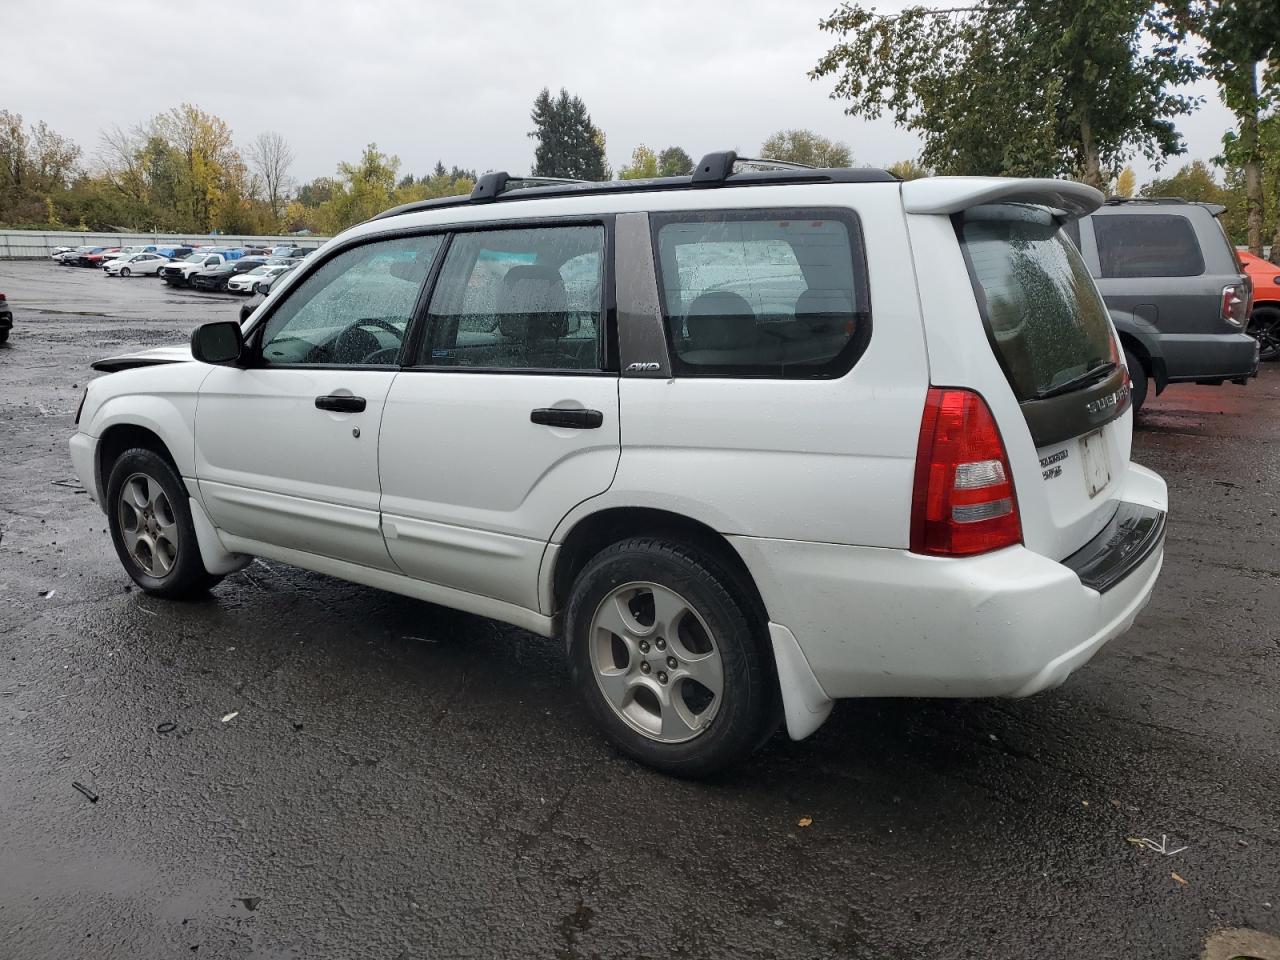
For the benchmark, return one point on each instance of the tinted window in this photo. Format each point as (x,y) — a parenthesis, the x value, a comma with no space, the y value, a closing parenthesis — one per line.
(1147,245)
(765,293)
(1072,229)
(1043,313)
(355,308)
(526,299)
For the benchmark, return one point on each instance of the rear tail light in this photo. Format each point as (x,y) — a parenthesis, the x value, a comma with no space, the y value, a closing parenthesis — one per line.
(1235,303)
(963,502)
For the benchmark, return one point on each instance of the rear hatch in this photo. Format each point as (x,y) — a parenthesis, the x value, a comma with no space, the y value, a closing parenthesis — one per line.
(1052,336)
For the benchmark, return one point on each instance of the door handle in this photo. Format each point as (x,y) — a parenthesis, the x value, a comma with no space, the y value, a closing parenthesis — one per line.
(573,418)
(341,404)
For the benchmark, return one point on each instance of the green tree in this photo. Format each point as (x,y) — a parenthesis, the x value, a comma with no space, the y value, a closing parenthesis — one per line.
(807,147)
(1241,51)
(36,165)
(674,162)
(1019,87)
(568,143)
(362,190)
(643,165)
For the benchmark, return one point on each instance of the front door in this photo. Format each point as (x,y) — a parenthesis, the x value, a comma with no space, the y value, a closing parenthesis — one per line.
(287,446)
(507,417)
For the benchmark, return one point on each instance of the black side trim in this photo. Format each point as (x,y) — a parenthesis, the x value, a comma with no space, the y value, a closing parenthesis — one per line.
(116,364)
(1132,535)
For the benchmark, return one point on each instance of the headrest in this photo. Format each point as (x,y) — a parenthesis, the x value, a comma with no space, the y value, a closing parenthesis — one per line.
(532,304)
(720,319)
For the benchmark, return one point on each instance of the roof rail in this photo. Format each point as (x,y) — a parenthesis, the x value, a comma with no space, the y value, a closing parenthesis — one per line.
(713,170)
(1119,200)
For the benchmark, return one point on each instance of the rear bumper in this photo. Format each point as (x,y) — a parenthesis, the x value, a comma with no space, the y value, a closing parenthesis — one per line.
(888,623)
(1212,357)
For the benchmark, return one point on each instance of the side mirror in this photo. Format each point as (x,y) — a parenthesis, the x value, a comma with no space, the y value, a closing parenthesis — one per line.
(220,342)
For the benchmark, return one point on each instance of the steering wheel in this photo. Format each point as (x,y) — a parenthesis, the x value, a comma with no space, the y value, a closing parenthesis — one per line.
(341,344)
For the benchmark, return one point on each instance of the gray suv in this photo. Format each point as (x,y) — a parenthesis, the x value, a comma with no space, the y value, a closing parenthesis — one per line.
(1178,296)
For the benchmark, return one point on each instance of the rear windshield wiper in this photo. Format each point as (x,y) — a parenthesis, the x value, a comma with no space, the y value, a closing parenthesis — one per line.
(1099,372)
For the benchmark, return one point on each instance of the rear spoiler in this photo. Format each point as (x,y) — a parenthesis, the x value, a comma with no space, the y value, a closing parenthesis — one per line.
(948,195)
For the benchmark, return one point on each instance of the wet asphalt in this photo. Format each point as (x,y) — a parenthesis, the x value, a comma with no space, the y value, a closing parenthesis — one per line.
(402,781)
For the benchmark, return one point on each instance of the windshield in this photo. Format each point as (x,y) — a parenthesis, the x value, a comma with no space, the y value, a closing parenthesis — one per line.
(1044,317)
(258,271)
(197,258)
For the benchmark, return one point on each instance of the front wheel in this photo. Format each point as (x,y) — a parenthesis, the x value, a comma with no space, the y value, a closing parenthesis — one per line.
(124,271)
(1264,326)
(151,526)
(669,658)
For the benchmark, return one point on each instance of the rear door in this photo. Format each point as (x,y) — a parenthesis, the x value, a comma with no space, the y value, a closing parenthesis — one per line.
(507,416)
(1052,338)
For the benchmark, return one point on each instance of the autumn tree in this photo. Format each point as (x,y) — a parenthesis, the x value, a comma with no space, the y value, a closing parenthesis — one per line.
(1126,182)
(643,165)
(1017,87)
(35,164)
(568,143)
(907,170)
(807,147)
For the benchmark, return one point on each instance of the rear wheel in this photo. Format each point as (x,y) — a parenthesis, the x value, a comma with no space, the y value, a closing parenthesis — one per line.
(4,335)
(1264,326)
(1138,379)
(151,526)
(668,658)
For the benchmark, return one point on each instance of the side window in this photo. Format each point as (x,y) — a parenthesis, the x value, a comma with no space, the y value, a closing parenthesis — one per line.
(528,299)
(355,308)
(1072,229)
(1147,245)
(779,293)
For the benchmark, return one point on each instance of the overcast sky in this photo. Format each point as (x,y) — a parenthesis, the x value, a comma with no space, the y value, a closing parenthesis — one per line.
(454,81)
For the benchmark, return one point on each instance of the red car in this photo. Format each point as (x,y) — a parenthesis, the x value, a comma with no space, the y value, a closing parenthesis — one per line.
(95,259)
(1264,321)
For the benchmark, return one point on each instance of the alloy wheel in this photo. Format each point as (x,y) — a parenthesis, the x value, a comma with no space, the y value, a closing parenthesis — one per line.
(1264,326)
(148,525)
(656,662)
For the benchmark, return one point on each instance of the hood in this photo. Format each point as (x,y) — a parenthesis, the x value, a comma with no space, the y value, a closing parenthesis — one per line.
(144,358)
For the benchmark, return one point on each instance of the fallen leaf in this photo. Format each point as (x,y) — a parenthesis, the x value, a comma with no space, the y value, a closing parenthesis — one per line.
(1178,878)
(231,716)
(805,821)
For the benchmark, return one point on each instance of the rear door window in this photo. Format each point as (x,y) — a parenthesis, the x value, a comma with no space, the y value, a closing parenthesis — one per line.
(1147,245)
(763,293)
(1044,317)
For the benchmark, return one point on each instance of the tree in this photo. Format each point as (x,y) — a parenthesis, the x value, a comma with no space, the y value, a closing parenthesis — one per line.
(568,143)
(1241,51)
(643,166)
(1018,87)
(272,157)
(674,162)
(35,164)
(1126,181)
(807,147)
(907,170)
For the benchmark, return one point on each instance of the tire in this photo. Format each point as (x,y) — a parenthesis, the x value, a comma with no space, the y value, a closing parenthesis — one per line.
(124,271)
(165,561)
(654,712)
(1264,326)
(4,336)
(1138,380)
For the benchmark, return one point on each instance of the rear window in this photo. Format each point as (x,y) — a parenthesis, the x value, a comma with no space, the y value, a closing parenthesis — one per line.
(1045,320)
(1147,245)
(763,293)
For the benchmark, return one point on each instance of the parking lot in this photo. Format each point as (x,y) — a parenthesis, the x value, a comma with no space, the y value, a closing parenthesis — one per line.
(399,780)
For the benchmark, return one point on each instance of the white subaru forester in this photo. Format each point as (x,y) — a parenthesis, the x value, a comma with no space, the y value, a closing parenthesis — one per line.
(751,440)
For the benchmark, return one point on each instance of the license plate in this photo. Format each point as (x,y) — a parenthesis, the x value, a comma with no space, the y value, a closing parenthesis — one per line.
(1097,462)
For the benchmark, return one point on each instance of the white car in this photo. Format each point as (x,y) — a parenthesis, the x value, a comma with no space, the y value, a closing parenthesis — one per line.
(53,254)
(131,264)
(247,282)
(751,442)
(66,255)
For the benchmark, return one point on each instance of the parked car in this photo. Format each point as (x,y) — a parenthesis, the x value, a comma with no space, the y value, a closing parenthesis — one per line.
(262,289)
(175,253)
(6,318)
(291,252)
(248,282)
(216,277)
(178,273)
(836,479)
(53,254)
(1264,318)
(97,258)
(71,258)
(1177,294)
(140,264)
